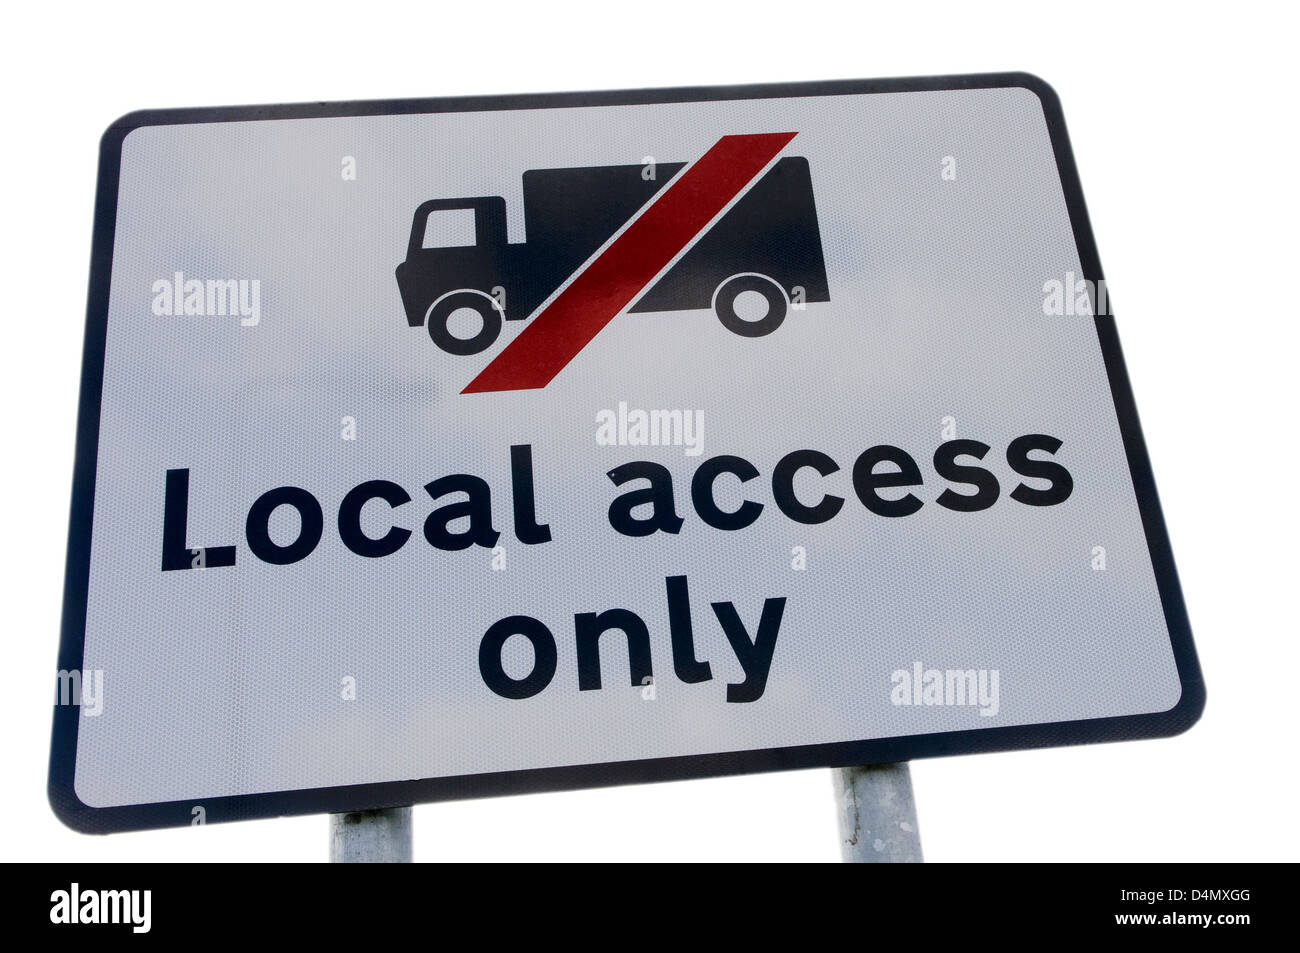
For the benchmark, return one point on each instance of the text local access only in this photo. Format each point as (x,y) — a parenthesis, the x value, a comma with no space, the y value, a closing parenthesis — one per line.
(649,507)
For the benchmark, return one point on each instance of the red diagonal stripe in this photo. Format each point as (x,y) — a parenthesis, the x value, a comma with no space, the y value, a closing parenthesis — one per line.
(610,283)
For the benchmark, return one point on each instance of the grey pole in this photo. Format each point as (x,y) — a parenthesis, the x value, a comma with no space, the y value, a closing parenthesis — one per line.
(877,814)
(371,837)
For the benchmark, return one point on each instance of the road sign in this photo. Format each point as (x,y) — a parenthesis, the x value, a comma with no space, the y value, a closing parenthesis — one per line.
(695,432)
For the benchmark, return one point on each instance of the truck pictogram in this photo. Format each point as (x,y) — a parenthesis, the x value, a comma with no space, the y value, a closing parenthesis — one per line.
(767,242)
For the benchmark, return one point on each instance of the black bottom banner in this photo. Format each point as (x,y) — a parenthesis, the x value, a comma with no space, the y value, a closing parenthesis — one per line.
(981,904)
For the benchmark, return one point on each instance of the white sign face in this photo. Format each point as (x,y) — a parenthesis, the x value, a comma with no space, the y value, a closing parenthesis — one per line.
(451,448)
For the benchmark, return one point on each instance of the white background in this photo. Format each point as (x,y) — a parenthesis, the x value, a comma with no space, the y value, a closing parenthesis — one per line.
(1182,127)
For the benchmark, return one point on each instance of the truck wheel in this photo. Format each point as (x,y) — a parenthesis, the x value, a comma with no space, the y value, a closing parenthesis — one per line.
(439,315)
(724,303)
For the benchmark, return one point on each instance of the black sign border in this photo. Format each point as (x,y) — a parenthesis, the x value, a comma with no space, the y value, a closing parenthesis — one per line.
(82,817)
